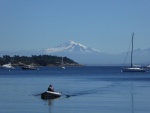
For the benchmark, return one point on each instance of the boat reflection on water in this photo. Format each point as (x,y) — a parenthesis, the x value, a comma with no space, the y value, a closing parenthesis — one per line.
(50,105)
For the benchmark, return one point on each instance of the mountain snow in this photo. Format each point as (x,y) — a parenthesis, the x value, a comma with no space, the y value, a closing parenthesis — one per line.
(86,55)
(72,47)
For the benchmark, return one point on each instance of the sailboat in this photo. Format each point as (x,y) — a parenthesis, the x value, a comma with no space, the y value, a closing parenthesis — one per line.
(132,68)
(62,64)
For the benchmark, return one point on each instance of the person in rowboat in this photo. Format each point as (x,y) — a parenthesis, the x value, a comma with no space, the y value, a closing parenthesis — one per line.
(50,88)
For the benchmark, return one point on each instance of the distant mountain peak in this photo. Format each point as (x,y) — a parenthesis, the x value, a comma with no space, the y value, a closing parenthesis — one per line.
(72,47)
(72,42)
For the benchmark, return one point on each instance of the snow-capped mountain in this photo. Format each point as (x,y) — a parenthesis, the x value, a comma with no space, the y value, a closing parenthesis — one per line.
(71,47)
(86,55)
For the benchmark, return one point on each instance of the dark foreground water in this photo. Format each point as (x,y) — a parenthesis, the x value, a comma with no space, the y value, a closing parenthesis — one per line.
(91,90)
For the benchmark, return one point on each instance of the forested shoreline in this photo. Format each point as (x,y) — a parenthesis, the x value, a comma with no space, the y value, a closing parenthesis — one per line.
(41,60)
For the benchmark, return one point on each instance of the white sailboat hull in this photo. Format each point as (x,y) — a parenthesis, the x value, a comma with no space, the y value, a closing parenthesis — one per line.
(133,69)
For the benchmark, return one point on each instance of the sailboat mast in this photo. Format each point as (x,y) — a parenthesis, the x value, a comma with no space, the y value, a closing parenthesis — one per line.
(132,50)
(62,62)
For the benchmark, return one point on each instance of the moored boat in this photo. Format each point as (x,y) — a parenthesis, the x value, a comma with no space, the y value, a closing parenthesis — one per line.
(8,66)
(132,68)
(29,67)
(148,66)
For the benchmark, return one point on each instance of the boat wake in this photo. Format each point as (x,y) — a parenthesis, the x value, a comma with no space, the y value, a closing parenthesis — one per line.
(39,94)
(99,90)
(78,93)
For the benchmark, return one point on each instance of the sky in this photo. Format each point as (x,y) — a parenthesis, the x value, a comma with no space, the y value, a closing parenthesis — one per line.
(106,25)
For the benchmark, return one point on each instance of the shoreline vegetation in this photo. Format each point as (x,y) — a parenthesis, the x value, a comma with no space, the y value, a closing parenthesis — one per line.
(40,60)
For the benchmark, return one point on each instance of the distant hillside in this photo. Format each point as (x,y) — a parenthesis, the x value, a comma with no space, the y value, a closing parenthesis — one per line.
(87,55)
(42,60)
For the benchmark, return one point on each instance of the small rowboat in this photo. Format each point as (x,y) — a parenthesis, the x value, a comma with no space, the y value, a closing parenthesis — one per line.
(50,95)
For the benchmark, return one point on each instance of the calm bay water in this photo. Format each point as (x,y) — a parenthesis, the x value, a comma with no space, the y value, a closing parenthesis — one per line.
(91,89)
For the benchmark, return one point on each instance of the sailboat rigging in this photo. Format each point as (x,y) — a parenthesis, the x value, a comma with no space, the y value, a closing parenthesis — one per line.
(62,64)
(132,68)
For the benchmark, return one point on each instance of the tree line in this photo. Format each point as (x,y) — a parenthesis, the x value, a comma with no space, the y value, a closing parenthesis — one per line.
(42,60)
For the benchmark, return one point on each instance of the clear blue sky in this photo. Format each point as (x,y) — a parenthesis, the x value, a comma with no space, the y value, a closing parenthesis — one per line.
(106,25)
